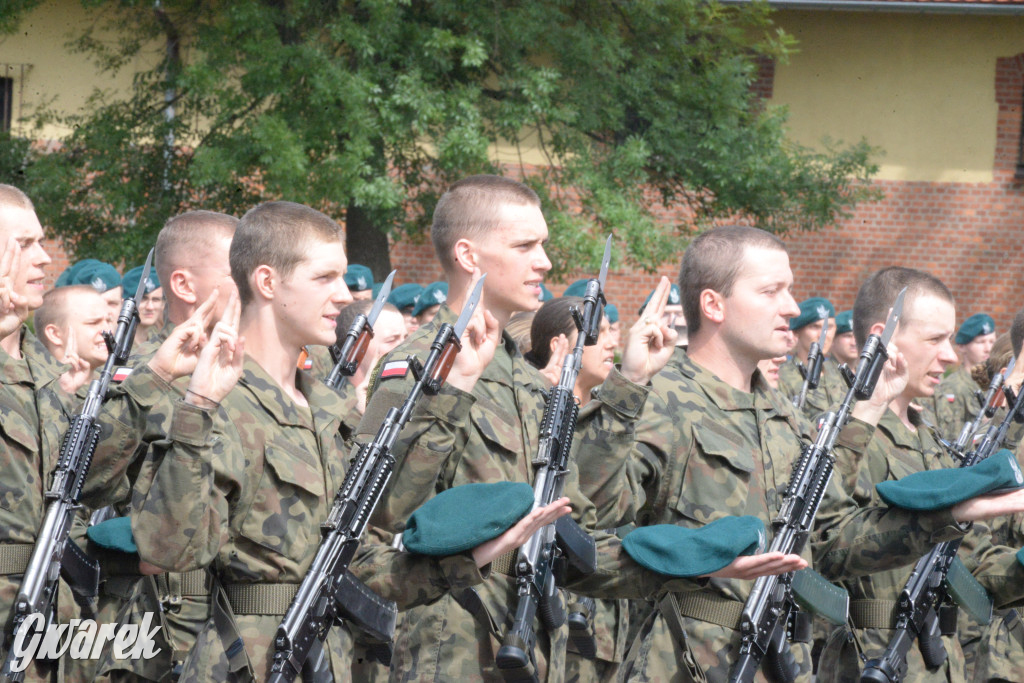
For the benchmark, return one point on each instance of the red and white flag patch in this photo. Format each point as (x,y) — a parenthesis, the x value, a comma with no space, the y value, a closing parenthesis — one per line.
(394,368)
(951,397)
(121,374)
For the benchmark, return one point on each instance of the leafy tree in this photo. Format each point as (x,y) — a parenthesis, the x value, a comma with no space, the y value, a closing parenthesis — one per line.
(367,109)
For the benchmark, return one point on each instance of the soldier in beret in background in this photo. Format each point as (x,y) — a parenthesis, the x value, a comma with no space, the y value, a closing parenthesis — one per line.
(359,280)
(101,276)
(807,328)
(955,400)
(151,305)
(404,297)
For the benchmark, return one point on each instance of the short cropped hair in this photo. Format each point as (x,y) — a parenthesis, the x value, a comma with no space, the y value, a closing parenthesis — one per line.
(552,319)
(470,208)
(878,293)
(713,260)
(187,235)
(56,306)
(276,234)
(12,196)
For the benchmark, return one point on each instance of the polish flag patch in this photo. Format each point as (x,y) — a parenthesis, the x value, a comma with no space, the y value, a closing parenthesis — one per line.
(307,364)
(951,397)
(394,368)
(121,374)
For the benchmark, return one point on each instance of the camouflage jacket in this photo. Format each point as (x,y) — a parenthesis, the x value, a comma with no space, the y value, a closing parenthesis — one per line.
(705,450)
(828,395)
(953,404)
(894,452)
(490,435)
(243,492)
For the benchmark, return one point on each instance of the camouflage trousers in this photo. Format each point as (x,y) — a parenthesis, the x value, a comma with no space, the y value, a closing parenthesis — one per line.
(1001,651)
(841,662)
(690,650)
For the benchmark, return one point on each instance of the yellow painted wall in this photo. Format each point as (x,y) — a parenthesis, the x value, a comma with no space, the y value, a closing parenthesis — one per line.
(54,76)
(922,87)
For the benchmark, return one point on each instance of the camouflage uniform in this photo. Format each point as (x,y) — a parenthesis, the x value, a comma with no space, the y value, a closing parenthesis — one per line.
(706,450)
(895,452)
(829,394)
(953,404)
(34,414)
(243,492)
(489,435)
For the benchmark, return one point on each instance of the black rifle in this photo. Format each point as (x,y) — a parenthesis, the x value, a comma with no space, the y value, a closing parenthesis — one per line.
(564,540)
(329,592)
(988,409)
(812,371)
(938,580)
(54,553)
(772,605)
(349,354)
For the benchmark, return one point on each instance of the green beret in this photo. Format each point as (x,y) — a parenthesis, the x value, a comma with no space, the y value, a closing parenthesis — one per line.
(940,489)
(844,322)
(101,276)
(441,526)
(130,283)
(404,296)
(677,551)
(811,311)
(358,278)
(545,294)
(115,534)
(434,294)
(975,326)
(673,299)
(611,313)
(578,288)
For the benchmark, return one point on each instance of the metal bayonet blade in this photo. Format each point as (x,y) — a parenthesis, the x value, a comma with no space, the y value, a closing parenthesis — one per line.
(141,289)
(824,333)
(1009,367)
(894,317)
(382,298)
(470,307)
(605,261)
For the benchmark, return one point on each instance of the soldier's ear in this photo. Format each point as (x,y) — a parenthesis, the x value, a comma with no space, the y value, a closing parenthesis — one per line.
(181,287)
(877,328)
(51,335)
(464,253)
(264,281)
(712,305)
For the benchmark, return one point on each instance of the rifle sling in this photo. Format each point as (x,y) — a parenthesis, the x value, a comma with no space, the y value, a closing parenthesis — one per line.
(506,564)
(882,614)
(14,557)
(713,609)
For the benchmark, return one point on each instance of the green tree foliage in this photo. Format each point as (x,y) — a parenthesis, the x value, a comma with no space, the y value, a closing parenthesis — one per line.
(367,109)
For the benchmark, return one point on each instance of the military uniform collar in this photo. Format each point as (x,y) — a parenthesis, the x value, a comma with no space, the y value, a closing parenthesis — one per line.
(898,432)
(727,397)
(36,365)
(322,401)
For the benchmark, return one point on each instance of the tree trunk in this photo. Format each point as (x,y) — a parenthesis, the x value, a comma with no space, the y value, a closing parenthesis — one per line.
(365,243)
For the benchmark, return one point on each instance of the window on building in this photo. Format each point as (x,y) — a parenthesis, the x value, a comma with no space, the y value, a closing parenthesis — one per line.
(6,103)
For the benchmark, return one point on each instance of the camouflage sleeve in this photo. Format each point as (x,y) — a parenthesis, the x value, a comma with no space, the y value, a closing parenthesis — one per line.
(437,428)
(851,445)
(851,540)
(124,435)
(995,566)
(183,520)
(410,579)
(622,453)
(619,576)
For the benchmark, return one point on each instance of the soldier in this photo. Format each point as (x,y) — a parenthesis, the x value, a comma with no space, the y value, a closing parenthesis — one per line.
(254,453)
(151,305)
(70,324)
(36,413)
(807,328)
(714,440)
(101,276)
(359,280)
(404,299)
(844,345)
(902,445)
(388,332)
(191,257)
(954,401)
(484,425)
(429,302)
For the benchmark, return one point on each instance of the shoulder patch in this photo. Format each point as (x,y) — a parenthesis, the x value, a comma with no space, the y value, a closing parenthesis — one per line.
(121,374)
(951,398)
(394,368)
(307,364)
